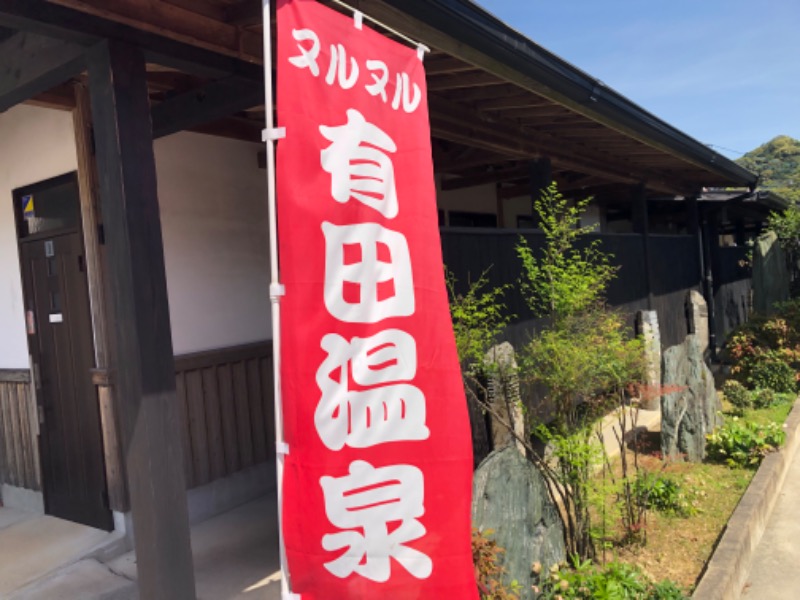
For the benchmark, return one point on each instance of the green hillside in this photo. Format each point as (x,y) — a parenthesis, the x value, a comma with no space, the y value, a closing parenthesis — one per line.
(778,164)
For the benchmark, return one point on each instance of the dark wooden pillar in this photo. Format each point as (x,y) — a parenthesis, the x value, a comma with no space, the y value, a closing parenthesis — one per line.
(710,235)
(694,228)
(740,234)
(148,408)
(692,216)
(541,176)
(102,314)
(641,225)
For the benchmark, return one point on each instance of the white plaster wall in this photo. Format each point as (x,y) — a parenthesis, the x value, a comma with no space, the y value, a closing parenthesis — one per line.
(214,221)
(35,144)
(479,199)
(517,207)
(216,241)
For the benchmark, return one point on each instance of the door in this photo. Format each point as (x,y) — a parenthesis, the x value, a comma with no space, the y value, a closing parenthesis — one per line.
(61,347)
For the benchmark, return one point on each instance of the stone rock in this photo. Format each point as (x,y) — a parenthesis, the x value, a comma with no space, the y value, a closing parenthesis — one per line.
(509,496)
(503,387)
(693,411)
(479,424)
(697,314)
(647,327)
(770,274)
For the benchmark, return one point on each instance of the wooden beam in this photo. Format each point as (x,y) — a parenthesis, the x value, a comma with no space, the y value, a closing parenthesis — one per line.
(31,64)
(15,376)
(525,101)
(446,65)
(553,111)
(488,93)
(475,79)
(68,24)
(484,177)
(459,124)
(148,413)
(172,19)
(212,102)
(201,7)
(58,98)
(582,183)
(244,14)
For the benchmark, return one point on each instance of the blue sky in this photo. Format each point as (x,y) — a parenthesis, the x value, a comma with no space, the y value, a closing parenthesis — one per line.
(726,72)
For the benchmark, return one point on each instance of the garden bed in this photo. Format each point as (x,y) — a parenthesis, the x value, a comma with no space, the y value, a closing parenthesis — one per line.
(679,547)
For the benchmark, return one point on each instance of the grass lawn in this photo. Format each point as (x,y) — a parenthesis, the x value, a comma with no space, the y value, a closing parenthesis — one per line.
(678,547)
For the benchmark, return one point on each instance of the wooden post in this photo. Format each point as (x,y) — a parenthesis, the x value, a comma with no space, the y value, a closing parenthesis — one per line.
(740,233)
(145,377)
(641,225)
(541,177)
(500,206)
(100,310)
(710,241)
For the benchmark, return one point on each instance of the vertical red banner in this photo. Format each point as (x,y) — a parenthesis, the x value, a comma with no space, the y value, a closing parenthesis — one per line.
(377,484)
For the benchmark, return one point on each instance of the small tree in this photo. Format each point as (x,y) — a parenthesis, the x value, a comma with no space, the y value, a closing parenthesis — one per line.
(567,279)
(479,317)
(582,357)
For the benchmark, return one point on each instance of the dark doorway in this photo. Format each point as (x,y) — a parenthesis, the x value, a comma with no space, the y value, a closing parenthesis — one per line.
(60,342)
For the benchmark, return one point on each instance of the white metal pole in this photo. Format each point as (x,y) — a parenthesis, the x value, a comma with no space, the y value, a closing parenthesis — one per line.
(275,288)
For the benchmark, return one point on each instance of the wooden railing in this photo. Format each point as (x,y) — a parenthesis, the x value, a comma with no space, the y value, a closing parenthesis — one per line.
(19,451)
(225,398)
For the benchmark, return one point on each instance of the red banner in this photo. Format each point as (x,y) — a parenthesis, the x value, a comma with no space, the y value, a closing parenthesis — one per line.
(377,484)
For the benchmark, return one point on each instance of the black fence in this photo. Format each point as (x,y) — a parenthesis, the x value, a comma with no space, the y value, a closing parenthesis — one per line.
(675,266)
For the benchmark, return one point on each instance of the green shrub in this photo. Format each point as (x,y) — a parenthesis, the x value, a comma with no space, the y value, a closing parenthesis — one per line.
(662,493)
(765,351)
(764,398)
(667,590)
(743,444)
(737,395)
(613,581)
(770,371)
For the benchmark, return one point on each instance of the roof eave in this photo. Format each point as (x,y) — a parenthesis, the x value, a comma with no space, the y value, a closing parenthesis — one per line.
(470,24)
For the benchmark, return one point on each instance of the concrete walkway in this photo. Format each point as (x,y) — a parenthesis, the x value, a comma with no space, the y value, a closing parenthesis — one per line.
(235,555)
(775,569)
(33,546)
(42,558)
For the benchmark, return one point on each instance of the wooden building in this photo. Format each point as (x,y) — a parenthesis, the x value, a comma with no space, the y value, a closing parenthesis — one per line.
(135,355)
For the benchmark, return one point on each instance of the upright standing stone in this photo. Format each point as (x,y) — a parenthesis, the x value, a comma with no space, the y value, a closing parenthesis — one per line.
(770,274)
(509,496)
(697,314)
(504,397)
(693,410)
(647,327)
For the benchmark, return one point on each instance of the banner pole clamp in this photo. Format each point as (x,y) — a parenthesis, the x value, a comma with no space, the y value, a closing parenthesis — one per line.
(282,448)
(290,596)
(273,134)
(359,17)
(276,290)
